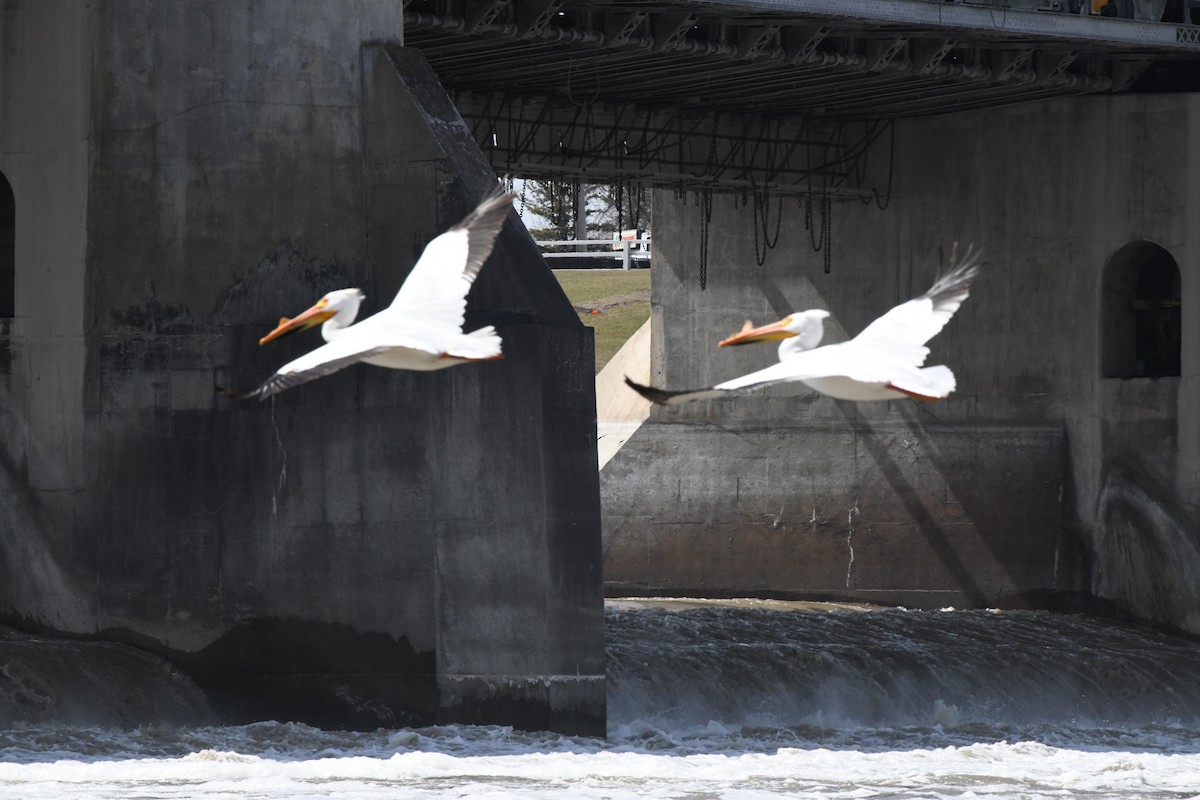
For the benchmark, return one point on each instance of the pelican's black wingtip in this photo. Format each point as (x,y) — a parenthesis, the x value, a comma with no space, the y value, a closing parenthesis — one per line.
(498,195)
(961,271)
(969,260)
(657,396)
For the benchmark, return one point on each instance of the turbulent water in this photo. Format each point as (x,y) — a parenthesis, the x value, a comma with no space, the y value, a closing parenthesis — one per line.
(739,700)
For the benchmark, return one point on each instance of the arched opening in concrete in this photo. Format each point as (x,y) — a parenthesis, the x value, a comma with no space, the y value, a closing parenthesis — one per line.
(1141,333)
(8,240)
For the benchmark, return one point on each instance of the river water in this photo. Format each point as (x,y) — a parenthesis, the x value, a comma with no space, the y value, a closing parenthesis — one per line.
(730,700)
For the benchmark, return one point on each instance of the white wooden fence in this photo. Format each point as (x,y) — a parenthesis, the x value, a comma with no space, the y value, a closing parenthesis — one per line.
(627,250)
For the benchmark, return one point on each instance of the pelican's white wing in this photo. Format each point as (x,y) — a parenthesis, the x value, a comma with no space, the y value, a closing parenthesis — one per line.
(783,372)
(846,360)
(905,329)
(831,360)
(436,289)
(357,343)
(870,368)
(851,371)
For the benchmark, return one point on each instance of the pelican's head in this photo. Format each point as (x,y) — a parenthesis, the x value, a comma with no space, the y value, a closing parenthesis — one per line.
(340,306)
(807,326)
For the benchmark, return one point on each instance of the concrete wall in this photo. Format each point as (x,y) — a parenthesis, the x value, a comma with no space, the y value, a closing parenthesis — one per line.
(1037,479)
(44,155)
(372,548)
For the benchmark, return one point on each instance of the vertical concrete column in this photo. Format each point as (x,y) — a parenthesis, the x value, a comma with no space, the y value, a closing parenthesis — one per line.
(519,606)
(1188,470)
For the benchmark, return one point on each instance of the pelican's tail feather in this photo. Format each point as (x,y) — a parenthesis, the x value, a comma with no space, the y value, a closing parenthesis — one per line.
(478,345)
(928,383)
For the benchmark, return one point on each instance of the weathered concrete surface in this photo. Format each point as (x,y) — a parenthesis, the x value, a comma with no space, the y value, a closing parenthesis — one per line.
(373,548)
(54,681)
(910,513)
(1037,476)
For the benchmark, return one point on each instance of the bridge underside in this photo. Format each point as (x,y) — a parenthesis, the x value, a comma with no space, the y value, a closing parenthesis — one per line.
(782,94)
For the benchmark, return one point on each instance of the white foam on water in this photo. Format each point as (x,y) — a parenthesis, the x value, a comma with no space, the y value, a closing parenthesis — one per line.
(276,762)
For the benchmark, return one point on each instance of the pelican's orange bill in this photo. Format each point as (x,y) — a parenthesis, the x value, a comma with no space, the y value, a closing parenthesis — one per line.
(313,316)
(767,333)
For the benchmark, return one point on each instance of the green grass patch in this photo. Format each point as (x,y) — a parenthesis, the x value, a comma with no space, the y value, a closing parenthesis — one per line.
(584,286)
(622,298)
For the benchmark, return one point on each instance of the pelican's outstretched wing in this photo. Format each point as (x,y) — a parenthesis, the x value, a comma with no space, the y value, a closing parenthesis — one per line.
(908,326)
(848,360)
(437,287)
(809,364)
(666,397)
(744,385)
(297,372)
(357,343)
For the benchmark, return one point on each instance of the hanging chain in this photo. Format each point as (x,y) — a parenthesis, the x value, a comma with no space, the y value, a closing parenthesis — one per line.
(620,207)
(760,259)
(762,215)
(808,221)
(887,197)
(595,92)
(704,200)
(822,242)
(556,204)
(827,229)
(578,209)
(704,149)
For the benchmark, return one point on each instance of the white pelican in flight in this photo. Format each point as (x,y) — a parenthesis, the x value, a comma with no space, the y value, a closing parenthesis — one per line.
(421,329)
(881,363)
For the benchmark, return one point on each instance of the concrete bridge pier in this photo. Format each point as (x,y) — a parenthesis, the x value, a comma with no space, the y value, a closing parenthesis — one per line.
(371,549)
(517,562)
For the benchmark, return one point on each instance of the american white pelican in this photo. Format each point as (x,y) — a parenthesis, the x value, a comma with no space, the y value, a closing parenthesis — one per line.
(421,329)
(881,363)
